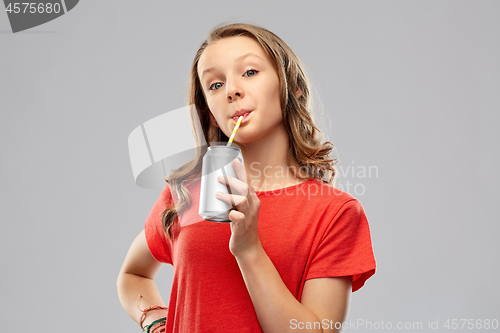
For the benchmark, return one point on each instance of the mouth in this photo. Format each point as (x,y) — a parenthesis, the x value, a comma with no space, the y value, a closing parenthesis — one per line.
(245,116)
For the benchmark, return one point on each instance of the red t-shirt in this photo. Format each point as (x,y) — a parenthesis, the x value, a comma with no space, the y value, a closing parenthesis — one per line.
(309,230)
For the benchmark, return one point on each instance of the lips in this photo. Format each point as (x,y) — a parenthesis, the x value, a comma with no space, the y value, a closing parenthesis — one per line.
(245,115)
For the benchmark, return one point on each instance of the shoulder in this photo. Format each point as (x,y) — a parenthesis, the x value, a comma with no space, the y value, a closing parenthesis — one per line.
(166,194)
(163,202)
(329,195)
(341,210)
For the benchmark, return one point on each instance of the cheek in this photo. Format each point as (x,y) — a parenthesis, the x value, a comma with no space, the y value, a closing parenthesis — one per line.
(212,106)
(273,88)
(273,97)
(217,112)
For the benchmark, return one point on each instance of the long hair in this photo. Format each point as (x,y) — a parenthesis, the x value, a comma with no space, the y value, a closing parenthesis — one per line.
(305,139)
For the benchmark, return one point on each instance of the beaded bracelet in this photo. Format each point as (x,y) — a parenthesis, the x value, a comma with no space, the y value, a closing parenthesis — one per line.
(158,321)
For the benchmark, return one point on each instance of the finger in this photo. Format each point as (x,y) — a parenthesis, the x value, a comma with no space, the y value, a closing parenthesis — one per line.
(232,199)
(242,175)
(236,216)
(235,185)
(240,170)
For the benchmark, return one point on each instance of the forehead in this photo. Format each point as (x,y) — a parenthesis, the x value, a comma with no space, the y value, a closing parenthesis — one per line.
(227,50)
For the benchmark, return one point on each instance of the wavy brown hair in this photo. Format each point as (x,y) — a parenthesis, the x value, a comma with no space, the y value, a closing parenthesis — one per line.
(305,139)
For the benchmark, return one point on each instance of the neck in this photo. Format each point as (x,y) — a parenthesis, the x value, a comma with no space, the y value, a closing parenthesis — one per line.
(265,161)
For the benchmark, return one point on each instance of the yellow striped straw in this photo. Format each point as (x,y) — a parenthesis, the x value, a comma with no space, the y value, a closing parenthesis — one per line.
(234,131)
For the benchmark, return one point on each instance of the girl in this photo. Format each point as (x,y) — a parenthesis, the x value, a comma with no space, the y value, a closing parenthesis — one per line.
(296,247)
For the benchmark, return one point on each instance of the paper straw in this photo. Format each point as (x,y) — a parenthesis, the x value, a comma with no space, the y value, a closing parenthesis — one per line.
(234,131)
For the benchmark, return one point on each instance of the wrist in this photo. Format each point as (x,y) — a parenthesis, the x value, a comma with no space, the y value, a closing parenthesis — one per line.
(153,315)
(157,326)
(249,255)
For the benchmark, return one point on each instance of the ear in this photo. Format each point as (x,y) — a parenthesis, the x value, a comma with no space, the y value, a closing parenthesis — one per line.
(298,94)
(213,121)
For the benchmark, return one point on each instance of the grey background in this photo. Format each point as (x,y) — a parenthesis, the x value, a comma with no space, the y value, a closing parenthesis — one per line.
(410,87)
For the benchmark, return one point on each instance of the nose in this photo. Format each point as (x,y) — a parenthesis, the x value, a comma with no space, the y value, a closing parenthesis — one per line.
(233,90)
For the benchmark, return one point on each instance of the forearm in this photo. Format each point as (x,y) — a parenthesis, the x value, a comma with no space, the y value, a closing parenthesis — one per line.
(130,286)
(274,304)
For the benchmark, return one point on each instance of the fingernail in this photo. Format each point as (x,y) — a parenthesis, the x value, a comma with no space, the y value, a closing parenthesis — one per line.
(220,178)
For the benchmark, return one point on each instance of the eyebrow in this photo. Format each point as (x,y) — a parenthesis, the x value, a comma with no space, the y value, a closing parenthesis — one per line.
(211,69)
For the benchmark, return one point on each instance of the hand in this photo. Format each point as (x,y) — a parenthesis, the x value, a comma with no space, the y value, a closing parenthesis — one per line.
(244,233)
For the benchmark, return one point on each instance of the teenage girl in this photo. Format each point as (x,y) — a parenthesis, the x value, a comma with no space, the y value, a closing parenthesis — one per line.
(296,247)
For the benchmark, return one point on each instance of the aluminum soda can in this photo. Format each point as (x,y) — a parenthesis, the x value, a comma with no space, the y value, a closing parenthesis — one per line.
(217,162)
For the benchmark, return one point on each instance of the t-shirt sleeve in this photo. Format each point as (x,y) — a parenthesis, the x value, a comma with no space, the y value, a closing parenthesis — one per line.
(158,243)
(346,247)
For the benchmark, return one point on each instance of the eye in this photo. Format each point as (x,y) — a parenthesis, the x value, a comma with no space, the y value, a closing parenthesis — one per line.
(215,86)
(250,72)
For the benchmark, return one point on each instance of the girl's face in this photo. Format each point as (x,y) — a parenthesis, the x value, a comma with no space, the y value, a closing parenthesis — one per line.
(237,77)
